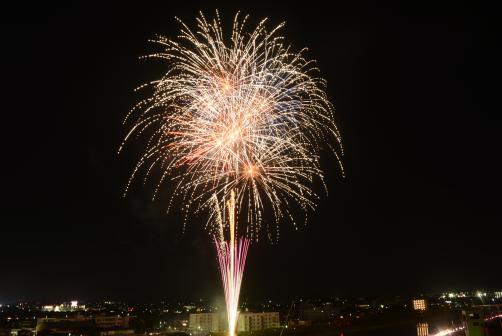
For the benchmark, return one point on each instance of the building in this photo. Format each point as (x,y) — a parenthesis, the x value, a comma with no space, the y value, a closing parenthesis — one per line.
(24,328)
(120,332)
(22,332)
(257,321)
(498,295)
(85,325)
(205,323)
(483,320)
(419,304)
(64,307)
(117,321)
(82,326)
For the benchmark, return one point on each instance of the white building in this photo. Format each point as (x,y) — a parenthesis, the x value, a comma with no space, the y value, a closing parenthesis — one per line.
(257,321)
(204,323)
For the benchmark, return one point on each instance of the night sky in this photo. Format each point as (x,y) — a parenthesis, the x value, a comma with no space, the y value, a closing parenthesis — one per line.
(416,94)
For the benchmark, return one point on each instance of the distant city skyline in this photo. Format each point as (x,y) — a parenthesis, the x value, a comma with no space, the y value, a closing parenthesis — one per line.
(449,313)
(418,300)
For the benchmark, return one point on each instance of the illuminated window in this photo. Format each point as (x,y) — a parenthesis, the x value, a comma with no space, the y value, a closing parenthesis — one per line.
(419,304)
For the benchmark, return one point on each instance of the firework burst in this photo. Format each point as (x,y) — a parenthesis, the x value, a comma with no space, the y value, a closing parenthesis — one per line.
(247,114)
(235,123)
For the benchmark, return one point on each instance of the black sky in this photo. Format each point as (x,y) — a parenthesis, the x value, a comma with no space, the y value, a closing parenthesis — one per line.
(416,93)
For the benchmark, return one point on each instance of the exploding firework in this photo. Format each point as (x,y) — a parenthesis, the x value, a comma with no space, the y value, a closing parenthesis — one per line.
(235,123)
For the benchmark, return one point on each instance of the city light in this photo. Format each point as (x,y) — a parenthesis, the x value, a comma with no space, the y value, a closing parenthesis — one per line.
(448,331)
(419,304)
(422,329)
